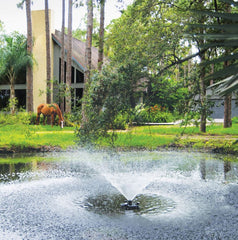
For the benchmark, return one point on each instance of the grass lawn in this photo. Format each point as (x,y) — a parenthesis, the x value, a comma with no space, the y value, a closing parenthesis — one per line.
(23,136)
(150,137)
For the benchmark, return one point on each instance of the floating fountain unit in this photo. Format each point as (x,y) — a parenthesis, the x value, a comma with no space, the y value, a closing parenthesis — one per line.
(129,205)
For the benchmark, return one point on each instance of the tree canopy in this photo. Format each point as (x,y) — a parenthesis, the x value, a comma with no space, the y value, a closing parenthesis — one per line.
(13,59)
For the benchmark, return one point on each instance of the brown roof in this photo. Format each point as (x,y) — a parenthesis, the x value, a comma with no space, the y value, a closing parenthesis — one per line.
(78,50)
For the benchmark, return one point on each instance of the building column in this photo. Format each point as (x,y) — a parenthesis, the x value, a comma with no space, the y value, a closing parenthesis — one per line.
(39,55)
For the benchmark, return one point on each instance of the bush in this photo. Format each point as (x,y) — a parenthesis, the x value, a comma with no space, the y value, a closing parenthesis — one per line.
(235,120)
(10,119)
(74,118)
(121,121)
(152,114)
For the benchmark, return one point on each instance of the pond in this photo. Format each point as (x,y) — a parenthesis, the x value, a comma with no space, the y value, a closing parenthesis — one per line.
(78,195)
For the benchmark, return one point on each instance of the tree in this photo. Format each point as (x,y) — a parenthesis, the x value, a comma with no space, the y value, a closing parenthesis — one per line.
(48,54)
(139,46)
(223,38)
(69,60)
(101,35)
(14,58)
(88,59)
(61,99)
(29,71)
(88,55)
(146,39)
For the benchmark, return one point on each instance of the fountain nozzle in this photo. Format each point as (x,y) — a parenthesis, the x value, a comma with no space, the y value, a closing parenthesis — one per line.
(128,205)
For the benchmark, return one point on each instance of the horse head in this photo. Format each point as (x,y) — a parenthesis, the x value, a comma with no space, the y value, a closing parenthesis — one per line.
(62,124)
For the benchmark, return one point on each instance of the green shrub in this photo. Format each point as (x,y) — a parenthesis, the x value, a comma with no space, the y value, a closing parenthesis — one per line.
(235,120)
(20,117)
(74,118)
(152,114)
(121,121)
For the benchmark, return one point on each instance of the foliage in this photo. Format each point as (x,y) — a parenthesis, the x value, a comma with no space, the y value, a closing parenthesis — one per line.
(147,32)
(14,56)
(222,37)
(154,114)
(14,59)
(9,119)
(80,33)
(121,121)
(107,96)
(235,120)
(168,92)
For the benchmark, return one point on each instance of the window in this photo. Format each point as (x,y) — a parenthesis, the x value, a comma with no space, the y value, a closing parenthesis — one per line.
(21,97)
(72,74)
(79,76)
(79,95)
(4,96)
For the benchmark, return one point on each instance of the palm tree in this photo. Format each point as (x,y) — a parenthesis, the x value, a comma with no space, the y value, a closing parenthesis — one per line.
(13,59)
(226,37)
(69,60)
(88,54)
(29,71)
(101,34)
(48,55)
(62,54)
(88,58)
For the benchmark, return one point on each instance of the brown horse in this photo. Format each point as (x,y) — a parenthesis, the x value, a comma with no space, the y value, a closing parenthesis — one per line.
(50,110)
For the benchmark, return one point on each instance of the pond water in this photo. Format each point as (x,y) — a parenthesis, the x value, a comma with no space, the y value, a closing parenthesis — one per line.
(78,195)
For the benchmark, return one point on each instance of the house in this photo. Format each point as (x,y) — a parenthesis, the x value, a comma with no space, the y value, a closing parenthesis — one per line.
(218,105)
(39,68)
(39,52)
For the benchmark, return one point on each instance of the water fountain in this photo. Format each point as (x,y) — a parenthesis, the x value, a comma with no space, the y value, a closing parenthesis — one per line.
(82,195)
(129,175)
(129,205)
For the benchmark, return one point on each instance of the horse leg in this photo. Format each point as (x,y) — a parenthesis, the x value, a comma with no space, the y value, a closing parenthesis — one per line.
(37,118)
(52,119)
(44,119)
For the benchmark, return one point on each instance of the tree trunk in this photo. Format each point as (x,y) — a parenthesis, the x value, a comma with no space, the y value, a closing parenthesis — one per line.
(227,112)
(227,102)
(101,35)
(88,58)
(48,55)
(29,71)
(61,98)
(227,105)
(202,95)
(69,60)
(12,103)
(88,53)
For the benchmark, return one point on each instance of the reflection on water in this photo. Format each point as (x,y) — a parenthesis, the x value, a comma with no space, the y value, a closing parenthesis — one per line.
(20,167)
(105,204)
(209,166)
(12,171)
(110,204)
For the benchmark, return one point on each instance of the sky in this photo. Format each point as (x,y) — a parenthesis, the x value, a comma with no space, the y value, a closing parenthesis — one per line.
(14,19)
